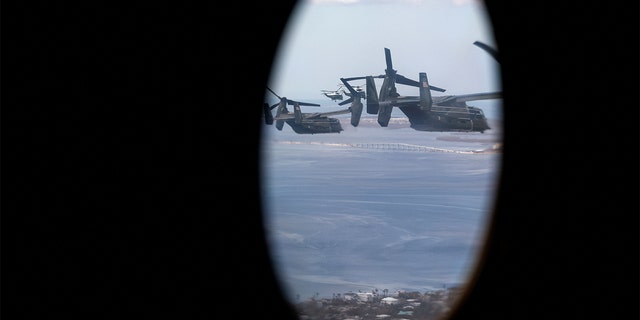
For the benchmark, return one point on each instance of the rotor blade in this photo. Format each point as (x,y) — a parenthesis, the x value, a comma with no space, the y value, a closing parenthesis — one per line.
(356,105)
(282,107)
(387,55)
(346,101)
(493,52)
(293,102)
(361,78)
(354,78)
(273,93)
(434,88)
(353,91)
(268,117)
(470,97)
(308,104)
(401,79)
(406,81)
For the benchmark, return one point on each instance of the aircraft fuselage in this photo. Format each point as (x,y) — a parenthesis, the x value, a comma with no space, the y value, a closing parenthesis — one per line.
(446,118)
(334,97)
(323,125)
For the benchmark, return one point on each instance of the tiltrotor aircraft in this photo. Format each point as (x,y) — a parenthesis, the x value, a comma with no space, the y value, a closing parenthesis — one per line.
(302,123)
(425,112)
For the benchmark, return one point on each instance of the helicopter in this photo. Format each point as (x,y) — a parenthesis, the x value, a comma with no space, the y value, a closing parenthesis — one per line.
(302,123)
(357,89)
(334,95)
(338,94)
(425,112)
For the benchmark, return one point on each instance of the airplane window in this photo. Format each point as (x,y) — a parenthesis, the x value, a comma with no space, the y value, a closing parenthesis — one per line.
(377,202)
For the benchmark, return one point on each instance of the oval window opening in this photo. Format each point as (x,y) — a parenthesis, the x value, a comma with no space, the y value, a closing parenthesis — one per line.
(380,155)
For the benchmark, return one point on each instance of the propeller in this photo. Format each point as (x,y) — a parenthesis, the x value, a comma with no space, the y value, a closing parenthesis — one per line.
(291,102)
(356,103)
(398,78)
(493,52)
(361,78)
(268,116)
(282,108)
(406,81)
(392,77)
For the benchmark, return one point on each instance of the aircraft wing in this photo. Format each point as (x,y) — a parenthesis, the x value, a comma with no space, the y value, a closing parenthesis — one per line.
(413,100)
(330,113)
(404,101)
(467,97)
(285,116)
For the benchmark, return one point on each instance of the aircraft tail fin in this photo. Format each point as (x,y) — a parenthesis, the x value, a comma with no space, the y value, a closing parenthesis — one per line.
(372,96)
(425,93)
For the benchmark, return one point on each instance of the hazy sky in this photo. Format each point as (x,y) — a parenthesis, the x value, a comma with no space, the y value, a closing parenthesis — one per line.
(328,39)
